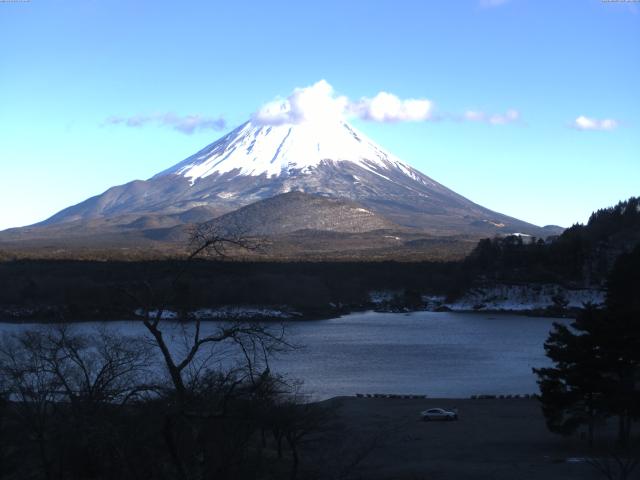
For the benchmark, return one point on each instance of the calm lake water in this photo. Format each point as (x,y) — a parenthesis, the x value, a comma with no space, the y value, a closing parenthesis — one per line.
(437,354)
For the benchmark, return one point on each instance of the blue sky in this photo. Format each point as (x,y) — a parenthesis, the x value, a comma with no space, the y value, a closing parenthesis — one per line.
(533,105)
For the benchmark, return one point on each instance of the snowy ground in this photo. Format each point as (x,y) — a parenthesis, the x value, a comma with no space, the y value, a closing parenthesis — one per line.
(526,297)
(510,298)
(228,312)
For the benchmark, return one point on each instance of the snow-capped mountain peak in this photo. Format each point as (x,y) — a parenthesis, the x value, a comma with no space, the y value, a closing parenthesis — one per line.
(298,147)
(278,150)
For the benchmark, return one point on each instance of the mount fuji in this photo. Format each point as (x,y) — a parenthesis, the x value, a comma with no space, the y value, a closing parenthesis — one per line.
(330,178)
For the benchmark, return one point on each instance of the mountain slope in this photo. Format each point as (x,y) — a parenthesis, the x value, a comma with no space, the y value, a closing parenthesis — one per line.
(295,211)
(255,162)
(291,179)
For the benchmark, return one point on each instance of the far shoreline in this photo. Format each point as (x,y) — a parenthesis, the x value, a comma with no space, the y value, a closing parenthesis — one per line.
(49,319)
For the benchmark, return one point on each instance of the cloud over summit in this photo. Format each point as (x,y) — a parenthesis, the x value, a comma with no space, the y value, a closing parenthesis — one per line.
(319,102)
(387,107)
(316,103)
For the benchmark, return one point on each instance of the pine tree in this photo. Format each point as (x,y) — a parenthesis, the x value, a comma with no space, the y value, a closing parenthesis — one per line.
(623,342)
(573,391)
(596,372)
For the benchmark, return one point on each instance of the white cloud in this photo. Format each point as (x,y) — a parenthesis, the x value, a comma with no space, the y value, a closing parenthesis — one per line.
(316,103)
(387,107)
(186,124)
(587,123)
(319,103)
(510,116)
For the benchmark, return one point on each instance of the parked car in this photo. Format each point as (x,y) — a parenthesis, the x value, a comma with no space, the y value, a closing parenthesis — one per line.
(439,414)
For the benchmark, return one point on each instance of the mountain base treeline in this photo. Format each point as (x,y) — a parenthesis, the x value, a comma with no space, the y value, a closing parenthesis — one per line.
(79,290)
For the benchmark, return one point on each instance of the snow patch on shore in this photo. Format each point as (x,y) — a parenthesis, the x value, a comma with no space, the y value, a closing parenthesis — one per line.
(379,297)
(241,312)
(526,297)
(225,313)
(164,314)
(508,298)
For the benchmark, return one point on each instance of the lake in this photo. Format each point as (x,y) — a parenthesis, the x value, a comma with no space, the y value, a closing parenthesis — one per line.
(444,354)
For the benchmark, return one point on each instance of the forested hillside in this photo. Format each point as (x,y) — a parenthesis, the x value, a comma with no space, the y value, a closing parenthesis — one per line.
(582,255)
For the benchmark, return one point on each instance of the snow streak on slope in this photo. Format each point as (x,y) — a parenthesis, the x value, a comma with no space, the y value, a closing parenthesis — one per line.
(283,149)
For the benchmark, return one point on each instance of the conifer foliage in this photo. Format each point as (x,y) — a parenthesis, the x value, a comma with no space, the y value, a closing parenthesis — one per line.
(596,360)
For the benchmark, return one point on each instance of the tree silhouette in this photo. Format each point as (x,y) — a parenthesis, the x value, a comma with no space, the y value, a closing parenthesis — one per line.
(573,390)
(596,372)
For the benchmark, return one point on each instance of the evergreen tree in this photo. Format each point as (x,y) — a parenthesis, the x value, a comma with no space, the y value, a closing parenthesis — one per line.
(622,350)
(596,370)
(573,391)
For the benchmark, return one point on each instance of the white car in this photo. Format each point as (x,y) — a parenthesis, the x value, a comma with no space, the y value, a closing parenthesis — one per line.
(439,414)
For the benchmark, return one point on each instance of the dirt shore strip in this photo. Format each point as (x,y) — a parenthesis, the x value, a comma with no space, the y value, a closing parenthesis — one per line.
(493,439)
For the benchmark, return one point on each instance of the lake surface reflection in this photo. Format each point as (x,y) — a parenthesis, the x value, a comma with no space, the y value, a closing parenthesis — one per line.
(437,354)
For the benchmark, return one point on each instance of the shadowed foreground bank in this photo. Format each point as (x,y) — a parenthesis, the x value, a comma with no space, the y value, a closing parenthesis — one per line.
(494,439)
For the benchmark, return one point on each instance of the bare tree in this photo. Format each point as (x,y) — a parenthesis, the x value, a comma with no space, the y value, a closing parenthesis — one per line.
(33,391)
(255,342)
(245,347)
(99,368)
(58,379)
(616,464)
(93,406)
